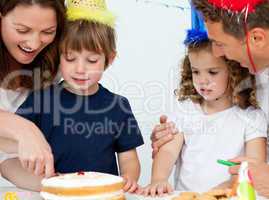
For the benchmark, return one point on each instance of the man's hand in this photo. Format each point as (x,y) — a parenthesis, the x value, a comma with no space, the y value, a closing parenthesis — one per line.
(259,171)
(161,134)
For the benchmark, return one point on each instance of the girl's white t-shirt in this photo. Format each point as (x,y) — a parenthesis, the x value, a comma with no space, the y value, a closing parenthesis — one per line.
(208,138)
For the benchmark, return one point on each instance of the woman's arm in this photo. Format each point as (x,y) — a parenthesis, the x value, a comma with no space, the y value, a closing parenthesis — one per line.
(13,171)
(8,145)
(33,150)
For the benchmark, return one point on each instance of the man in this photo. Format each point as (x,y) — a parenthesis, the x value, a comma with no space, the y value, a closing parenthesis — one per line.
(239,30)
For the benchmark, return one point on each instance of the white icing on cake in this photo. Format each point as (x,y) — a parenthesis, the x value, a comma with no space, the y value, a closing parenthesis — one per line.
(48,196)
(75,180)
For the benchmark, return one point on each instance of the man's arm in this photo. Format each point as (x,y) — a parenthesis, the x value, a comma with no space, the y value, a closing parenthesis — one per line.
(259,171)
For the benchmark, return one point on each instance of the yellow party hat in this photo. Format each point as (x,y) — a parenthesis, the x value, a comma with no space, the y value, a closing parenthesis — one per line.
(92,10)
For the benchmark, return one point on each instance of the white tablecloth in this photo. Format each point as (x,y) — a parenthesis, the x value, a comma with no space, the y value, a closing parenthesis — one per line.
(27,195)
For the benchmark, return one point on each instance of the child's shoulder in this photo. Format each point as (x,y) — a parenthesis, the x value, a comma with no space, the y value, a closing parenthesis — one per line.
(109,95)
(251,113)
(113,100)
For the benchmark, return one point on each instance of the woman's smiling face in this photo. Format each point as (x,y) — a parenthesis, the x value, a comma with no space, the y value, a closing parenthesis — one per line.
(26,32)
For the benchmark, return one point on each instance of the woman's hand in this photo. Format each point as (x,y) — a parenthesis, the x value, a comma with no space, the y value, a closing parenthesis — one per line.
(34,152)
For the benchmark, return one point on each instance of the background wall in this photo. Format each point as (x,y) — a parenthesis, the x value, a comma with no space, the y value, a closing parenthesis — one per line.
(150,37)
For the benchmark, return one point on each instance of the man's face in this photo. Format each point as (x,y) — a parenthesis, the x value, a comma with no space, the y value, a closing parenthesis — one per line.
(229,46)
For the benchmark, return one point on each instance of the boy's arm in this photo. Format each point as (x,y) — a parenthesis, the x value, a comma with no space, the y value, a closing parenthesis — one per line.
(13,171)
(165,159)
(129,164)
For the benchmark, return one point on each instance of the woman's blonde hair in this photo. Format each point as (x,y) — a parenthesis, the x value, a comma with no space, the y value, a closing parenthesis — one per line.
(242,84)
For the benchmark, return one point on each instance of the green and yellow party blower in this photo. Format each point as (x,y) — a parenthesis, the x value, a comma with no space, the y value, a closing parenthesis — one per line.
(245,189)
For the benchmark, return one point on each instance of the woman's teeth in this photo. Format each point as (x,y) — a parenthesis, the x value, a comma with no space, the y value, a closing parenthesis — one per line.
(27,50)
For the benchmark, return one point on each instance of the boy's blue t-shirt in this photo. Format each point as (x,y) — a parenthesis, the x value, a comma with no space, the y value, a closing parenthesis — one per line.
(84,132)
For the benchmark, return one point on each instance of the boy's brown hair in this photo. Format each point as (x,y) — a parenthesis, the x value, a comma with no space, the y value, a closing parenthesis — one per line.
(233,22)
(242,84)
(89,35)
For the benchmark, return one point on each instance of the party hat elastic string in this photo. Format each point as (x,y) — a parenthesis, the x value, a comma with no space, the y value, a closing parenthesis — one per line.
(248,42)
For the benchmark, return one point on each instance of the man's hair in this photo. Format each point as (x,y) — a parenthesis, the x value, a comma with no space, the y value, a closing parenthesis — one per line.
(233,22)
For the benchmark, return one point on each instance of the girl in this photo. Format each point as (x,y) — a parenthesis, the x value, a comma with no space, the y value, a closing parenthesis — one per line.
(217,118)
(85,124)
(29,40)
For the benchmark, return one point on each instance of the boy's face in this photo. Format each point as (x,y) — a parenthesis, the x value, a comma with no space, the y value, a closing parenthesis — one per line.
(82,70)
(232,48)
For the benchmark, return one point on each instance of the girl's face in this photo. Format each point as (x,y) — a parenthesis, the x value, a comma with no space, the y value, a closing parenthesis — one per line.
(82,70)
(27,30)
(210,75)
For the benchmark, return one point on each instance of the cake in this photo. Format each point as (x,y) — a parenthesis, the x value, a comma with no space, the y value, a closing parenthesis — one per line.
(83,186)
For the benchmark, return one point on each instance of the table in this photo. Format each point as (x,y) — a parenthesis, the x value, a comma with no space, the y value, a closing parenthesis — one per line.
(10,193)
(7,193)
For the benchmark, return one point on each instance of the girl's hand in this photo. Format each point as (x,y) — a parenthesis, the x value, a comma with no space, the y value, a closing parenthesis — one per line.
(157,188)
(130,185)
(34,152)
(162,134)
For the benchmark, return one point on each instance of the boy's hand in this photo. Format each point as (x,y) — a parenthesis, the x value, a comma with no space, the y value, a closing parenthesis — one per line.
(130,185)
(157,188)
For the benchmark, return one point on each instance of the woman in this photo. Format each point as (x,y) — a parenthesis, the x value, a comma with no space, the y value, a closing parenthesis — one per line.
(30,33)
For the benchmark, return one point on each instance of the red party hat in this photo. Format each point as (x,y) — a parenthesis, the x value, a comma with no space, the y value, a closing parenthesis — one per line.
(236,5)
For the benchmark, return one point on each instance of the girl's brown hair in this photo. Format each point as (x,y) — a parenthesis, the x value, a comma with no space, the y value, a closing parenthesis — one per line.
(89,35)
(46,61)
(241,83)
